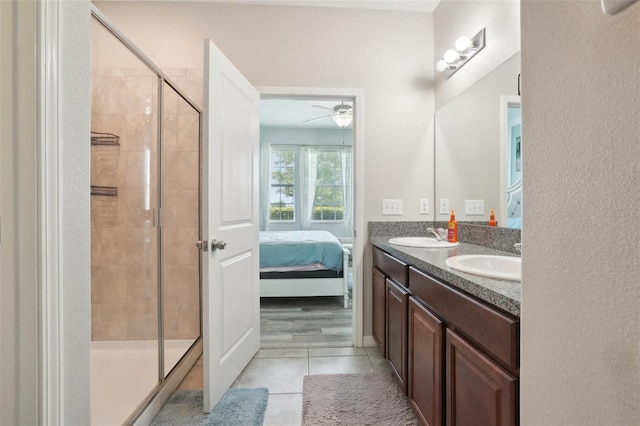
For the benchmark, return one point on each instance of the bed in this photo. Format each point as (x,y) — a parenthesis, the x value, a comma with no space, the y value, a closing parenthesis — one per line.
(303,264)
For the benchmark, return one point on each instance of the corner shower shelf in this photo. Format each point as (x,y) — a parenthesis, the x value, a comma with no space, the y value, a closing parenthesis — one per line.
(98,138)
(107,191)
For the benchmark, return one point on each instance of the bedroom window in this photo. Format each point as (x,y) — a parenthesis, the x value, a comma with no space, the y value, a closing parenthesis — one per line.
(307,186)
(328,203)
(282,186)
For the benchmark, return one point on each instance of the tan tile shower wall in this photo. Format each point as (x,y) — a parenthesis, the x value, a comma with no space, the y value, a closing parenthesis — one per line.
(124,244)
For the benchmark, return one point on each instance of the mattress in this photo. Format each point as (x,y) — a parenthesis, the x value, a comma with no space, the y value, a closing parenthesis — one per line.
(296,248)
(300,274)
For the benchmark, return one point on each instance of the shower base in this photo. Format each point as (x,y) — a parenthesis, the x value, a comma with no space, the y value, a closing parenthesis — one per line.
(124,372)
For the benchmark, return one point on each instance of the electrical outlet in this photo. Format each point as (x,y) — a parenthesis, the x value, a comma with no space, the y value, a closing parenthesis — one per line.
(392,207)
(474,207)
(424,206)
(444,206)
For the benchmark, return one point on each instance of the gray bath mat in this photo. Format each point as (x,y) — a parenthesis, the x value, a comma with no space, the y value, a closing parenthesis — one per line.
(237,407)
(355,399)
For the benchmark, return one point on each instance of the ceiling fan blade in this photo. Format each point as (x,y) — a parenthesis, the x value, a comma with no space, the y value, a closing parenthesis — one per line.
(315,119)
(320,106)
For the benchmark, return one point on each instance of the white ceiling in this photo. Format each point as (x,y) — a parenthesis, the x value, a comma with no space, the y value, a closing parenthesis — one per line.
(401,5)
(293,112)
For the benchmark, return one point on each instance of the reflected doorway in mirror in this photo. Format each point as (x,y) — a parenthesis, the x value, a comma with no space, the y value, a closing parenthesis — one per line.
(511,175)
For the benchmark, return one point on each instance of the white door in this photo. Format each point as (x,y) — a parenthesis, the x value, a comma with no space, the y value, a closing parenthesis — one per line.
(231,296)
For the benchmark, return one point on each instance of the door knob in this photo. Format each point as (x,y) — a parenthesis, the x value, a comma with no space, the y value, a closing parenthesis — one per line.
(202,245)
(218,245)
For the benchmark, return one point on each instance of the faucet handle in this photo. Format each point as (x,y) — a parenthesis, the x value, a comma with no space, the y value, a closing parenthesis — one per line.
(438,233)
(518,247)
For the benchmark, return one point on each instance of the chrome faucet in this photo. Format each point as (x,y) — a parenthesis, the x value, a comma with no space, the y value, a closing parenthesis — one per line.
(440,234)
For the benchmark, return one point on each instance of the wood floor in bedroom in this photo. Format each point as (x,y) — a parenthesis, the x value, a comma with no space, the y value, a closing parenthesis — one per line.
(305,322)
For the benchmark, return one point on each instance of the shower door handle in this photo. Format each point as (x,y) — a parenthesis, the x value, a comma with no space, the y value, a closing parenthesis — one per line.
(203,245)
(218,245)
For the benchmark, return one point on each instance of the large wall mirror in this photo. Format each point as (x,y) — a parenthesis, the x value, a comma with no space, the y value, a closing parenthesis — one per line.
(478,149)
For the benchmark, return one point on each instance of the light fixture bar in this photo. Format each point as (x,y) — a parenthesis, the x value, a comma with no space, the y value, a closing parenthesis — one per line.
(465,49)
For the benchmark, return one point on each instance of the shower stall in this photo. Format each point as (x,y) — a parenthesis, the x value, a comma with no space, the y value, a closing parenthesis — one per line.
(145,267)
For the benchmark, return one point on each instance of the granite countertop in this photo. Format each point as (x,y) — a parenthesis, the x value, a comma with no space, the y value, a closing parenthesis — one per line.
(503,294)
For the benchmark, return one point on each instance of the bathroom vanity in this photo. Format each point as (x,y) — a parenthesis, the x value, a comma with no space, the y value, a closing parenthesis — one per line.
(451,338)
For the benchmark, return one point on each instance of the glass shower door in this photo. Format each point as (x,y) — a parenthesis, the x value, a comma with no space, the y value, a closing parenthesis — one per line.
(180,226)
(124,235)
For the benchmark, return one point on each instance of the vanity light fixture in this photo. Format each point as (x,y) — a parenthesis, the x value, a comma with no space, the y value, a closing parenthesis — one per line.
(465,49)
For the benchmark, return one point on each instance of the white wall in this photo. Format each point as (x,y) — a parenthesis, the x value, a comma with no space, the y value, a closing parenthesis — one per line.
(74,209)
(455,18)
(581,294)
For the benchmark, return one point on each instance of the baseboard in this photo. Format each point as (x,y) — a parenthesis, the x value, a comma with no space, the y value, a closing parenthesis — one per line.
(368,341)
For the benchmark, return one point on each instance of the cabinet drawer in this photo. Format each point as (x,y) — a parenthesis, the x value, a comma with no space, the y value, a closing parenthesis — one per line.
(393,268)
(492,331)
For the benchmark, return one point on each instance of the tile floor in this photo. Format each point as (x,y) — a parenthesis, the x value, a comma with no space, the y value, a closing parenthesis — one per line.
(282,371)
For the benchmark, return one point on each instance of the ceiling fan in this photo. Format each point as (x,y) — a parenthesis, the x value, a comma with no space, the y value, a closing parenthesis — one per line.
(341,114)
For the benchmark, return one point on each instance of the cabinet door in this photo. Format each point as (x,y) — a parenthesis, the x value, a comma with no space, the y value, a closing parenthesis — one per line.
(397,299)
(379,290)
(478,391)
(426,356)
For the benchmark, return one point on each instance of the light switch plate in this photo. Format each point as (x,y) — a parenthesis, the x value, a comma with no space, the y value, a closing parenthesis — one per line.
(474,207)
(392,207)
(424,206)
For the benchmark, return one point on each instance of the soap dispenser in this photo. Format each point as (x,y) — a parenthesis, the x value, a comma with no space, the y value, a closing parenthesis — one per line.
(492,219)
(452,228)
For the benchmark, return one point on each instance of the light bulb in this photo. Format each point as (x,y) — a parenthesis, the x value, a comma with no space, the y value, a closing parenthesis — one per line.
(451,56)
(343,120)
(441,66)
(463,43)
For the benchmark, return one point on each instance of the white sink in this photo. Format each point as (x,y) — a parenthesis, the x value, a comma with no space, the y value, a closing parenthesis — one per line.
(424,242)
(503,267)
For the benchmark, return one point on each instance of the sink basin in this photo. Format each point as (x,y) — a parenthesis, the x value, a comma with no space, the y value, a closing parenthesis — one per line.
(503,267)
(424,242)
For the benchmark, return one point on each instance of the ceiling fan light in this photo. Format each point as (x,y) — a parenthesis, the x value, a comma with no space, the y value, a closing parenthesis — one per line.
(343,120)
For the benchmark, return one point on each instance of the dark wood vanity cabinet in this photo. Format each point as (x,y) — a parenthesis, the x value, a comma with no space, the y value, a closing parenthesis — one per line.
(455,356)
(481,358)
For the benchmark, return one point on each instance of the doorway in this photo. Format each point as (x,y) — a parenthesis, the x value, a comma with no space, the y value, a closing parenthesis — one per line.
(303,124)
